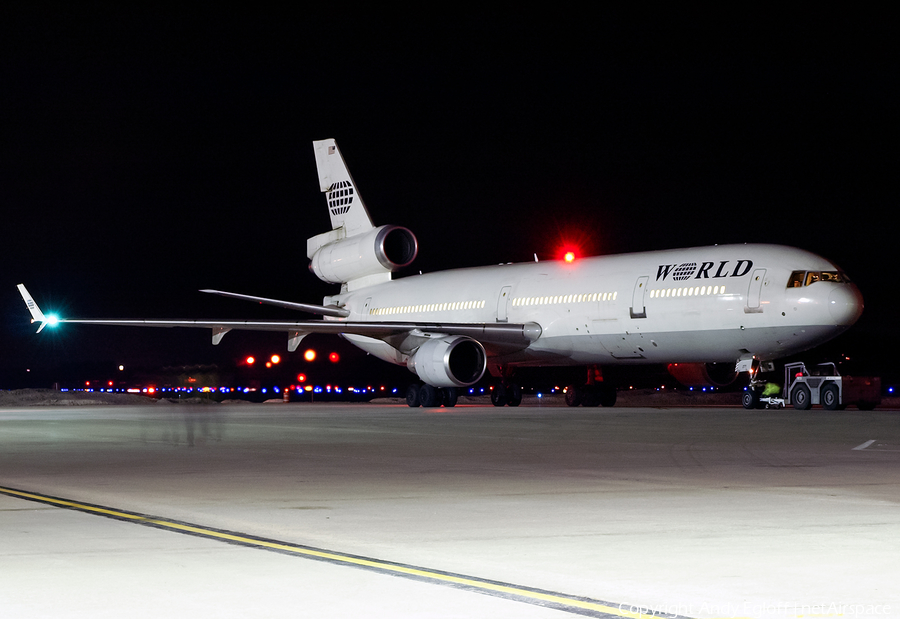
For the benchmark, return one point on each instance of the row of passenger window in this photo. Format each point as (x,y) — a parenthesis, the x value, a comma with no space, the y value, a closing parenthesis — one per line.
(428,307)
(690,291)
(592,297)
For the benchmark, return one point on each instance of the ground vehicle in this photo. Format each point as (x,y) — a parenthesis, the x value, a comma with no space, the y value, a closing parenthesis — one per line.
(823,385)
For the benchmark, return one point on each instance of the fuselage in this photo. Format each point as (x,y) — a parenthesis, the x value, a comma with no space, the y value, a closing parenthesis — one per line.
(701,304)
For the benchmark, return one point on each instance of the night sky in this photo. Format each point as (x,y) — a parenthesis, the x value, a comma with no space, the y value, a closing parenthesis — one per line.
(148,155)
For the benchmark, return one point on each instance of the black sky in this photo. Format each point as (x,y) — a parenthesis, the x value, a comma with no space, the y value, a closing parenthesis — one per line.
(144,156)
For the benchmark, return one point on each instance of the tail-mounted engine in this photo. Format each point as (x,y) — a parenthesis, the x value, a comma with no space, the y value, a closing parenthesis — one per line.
(376,252)
(450,361)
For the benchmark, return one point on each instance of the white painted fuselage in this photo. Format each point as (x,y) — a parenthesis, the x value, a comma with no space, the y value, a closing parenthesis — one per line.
(703,304)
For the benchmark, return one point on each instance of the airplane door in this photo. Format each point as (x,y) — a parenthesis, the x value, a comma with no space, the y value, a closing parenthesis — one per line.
(753,294)
(503,304)
(637,298)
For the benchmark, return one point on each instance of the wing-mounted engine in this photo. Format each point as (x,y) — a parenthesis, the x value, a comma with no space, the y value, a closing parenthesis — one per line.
(362,259)
(703,374)
(449,361)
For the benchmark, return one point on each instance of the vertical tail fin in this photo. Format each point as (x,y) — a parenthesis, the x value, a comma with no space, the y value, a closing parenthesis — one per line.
(345,205)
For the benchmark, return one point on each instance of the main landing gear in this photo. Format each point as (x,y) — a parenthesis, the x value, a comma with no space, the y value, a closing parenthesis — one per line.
(431,397)
(506,394)
(597,394)
(593,393)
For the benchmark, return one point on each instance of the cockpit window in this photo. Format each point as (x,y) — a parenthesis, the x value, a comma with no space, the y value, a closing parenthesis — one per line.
(824,276)
(796,280)
(807,278)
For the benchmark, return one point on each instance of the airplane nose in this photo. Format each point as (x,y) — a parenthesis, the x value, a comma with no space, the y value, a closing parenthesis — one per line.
(845,304)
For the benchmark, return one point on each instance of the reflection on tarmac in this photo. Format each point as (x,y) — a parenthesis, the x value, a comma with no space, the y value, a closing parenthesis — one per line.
(187,424)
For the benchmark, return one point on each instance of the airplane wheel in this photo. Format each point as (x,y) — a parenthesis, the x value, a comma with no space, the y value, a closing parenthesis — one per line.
(573,395)
(830,397)
(498,395)
(513,395)
(428,396)
(608,396)
(412,396)
(449,396)
(750,399)
(801,397)
(591,396)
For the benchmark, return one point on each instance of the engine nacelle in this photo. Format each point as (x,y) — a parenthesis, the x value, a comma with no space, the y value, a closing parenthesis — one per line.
(703,374)
(381,250)
(450,361)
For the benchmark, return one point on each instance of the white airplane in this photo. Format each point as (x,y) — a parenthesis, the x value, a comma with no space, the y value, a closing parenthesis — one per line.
(739,305)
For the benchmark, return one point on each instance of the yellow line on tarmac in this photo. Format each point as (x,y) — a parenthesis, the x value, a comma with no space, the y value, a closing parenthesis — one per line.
(541,598)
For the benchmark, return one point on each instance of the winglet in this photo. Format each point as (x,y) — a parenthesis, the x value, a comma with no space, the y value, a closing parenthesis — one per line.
(36,314)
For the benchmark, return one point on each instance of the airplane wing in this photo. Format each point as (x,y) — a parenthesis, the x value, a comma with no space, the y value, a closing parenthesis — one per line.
(497,338)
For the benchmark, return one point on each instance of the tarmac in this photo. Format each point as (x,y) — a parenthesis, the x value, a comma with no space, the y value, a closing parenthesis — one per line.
(379,510)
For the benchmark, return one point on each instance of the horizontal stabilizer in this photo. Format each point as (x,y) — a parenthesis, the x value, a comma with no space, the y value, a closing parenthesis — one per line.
(323,310)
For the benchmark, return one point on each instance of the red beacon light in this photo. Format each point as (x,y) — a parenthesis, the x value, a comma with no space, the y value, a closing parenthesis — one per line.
(568,252)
